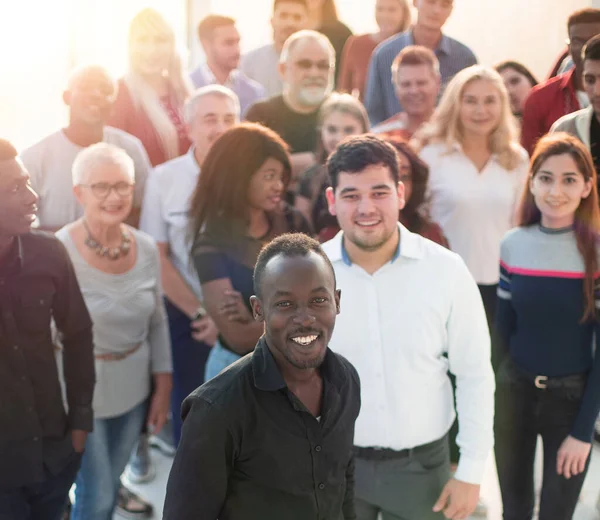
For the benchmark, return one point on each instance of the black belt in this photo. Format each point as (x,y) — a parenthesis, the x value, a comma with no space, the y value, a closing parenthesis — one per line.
(542,382)
(389,454)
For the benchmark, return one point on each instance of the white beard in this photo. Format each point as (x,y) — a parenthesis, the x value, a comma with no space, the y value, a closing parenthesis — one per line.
(313,96)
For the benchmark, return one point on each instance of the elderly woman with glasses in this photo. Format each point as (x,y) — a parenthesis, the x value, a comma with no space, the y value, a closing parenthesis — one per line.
(119,273)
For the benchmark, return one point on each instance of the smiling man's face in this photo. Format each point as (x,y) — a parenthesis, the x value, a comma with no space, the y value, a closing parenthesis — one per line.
(298,304)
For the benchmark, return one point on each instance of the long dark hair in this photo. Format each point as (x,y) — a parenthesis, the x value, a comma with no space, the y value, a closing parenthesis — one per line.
(221,193)
(412,214)
(587,215)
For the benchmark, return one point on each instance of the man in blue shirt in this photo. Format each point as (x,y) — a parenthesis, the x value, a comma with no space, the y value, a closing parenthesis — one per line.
(380,99)
(221,43)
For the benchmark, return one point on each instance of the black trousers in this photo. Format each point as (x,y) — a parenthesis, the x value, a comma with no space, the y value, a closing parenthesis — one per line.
(44,501)
(522,413)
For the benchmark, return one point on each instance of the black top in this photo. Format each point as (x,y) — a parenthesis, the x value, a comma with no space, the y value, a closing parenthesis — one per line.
(223,250)
(312,185)
(299,131)
(338,33)
(38,283)
(250,450)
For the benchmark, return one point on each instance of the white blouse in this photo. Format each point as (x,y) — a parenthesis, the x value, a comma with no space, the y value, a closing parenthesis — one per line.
(474,208)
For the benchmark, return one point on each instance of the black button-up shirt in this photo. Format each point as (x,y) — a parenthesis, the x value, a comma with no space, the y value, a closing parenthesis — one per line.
(250,450)
(38,285)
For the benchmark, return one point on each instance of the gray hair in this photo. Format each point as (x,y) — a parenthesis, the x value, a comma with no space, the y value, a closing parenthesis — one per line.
(98,155)
(306,35)
(189,109)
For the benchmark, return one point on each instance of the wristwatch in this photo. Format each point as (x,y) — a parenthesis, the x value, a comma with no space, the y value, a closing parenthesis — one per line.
(200,313)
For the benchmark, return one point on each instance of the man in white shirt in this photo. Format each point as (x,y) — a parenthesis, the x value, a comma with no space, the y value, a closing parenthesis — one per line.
(90,94)
(408,302)
(262,64)
(208,114)
(220,40)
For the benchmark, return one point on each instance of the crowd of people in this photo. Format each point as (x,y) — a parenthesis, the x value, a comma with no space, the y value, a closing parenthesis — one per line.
(331,277)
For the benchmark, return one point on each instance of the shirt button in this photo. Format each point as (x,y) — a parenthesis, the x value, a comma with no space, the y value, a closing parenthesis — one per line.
(321,486)
(318,448)
(15,347)
(35,439)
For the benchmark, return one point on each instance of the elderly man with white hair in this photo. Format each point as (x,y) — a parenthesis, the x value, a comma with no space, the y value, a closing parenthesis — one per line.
(209,112)
(118,269)
(307,67)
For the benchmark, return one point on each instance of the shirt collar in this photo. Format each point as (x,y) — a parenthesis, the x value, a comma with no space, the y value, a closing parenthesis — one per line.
(568,80)
(211,79)
(268,378)
(408,247)
(443,46)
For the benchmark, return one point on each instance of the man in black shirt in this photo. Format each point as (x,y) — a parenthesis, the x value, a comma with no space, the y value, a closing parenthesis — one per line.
(306,65)
(271,436)
(40,443)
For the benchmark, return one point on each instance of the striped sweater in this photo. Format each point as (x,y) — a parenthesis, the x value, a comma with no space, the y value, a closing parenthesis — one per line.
(540,305)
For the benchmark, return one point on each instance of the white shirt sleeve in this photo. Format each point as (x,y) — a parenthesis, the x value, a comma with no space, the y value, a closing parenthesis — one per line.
(152,220)
(469,360)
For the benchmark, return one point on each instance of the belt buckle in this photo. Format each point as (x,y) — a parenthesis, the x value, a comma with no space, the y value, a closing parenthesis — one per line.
(540,382)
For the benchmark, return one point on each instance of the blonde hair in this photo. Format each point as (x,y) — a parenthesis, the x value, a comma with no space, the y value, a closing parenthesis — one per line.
(445,126)
(150,21)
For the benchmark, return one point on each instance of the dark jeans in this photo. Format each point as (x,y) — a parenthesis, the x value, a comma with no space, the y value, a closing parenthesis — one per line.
(44,501)
(522,413)
(189,361)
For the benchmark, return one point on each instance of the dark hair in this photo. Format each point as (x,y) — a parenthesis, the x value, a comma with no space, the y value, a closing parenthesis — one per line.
(208,24)
(354,154)
(587,15)
(591,51)
(7,150)
(222,189)
(288,245)
(518,67)
(587,215)
(329,14)
(301,2)
(412,212)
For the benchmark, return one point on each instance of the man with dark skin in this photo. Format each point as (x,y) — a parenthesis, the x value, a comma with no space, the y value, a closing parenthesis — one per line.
(271,436)
(40,446)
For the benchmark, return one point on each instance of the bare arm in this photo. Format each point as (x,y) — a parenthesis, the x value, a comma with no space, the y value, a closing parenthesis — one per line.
(241,337)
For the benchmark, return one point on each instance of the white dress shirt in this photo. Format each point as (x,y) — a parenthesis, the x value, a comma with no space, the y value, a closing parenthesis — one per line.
(475,209)
(395,327)
(169,189)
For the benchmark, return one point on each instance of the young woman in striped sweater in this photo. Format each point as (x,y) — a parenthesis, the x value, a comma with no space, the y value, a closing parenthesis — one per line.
(548,382)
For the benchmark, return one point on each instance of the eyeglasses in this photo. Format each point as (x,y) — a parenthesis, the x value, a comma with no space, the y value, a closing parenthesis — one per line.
(102,189)
(322,66)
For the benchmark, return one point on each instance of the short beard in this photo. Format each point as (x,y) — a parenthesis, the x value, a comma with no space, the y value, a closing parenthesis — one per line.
(366,246)
(311,97)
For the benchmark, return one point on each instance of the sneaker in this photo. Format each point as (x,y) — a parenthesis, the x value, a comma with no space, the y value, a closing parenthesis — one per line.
(163,442)
(140,468)
(130,505)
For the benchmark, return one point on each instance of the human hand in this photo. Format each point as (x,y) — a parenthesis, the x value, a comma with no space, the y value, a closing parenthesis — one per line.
(78,438)
(572,456)
(233,307)
(204,330)
(160,403)
(458,499)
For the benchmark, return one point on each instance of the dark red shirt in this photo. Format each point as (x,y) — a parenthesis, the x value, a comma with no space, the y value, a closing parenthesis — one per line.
(545,104)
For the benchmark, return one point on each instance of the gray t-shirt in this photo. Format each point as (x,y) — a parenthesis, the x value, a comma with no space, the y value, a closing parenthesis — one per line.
(127,309)
(49,164)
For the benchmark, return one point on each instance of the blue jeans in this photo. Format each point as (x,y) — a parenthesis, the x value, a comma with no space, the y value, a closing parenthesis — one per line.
(218,360)
(44,501)
(106,454)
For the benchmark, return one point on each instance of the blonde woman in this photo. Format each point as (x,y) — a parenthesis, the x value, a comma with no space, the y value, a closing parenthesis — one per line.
(393,17)
(151,95)
(477,171)
(340,116)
